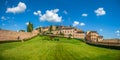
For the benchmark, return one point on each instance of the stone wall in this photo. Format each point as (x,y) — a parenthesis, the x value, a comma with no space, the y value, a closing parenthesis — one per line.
(6,35)
(112,41)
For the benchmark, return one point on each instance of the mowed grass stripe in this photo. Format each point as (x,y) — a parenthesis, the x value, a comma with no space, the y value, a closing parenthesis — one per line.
(39,48)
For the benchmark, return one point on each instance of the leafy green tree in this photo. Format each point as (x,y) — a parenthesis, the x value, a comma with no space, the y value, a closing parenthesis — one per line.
(29,27)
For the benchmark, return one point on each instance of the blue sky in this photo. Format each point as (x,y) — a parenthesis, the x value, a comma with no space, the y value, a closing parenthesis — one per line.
(102,16)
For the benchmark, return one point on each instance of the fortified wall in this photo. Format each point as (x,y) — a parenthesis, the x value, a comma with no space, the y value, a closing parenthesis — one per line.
(6,35)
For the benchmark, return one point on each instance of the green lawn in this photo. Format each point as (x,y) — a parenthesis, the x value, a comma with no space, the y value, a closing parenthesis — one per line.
(39,48)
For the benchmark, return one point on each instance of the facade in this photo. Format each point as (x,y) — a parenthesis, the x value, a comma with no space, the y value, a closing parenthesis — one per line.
(56,32)
(100,38)
(93,36)
(44,29)
(70,32)
(79,34)
(35,32)
(53,28)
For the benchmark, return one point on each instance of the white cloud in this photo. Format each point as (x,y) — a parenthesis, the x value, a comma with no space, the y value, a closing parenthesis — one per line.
(82,24)
(101,29)
(75,23)
(37,13)
(51,16)
(84,14)
(65,12)
(27,23)
(21,7)
(17,30)
(117,31)
(100,12)
(3,18)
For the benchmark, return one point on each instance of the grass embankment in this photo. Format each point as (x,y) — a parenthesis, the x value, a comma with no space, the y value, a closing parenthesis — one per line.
(39,48)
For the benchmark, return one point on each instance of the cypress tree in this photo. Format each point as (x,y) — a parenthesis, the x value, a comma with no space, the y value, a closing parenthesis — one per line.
(29,27)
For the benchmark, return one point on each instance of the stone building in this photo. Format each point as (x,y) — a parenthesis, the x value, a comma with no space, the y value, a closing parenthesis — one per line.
(79,34)
(66,31)
(100,38)
(70,32)
(93,36)
(44,29)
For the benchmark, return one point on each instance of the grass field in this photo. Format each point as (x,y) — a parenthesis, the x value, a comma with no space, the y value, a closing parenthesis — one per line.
(39,48)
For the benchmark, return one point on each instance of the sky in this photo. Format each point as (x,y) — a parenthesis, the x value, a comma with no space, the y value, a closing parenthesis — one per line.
(102,16)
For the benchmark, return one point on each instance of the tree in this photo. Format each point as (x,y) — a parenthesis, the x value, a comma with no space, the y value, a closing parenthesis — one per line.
(21,30)
(29,27)
(50,28)
(57,27)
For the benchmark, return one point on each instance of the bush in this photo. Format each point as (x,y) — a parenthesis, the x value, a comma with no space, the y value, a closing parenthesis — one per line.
(56,39)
